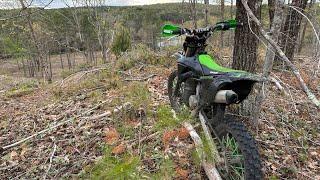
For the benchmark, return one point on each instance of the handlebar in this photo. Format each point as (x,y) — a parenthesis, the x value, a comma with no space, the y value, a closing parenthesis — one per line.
(221,26)
(169,30)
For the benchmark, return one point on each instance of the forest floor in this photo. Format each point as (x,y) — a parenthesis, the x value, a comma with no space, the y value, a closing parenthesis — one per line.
(119,125)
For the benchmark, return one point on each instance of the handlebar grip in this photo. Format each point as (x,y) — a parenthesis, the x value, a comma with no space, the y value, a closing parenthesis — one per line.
(177,32)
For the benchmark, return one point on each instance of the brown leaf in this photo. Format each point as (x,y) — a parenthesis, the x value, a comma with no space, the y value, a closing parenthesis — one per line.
(118,149)
(13,155)
(183,133)
(111,136)
(182,173)
(23,151)
(167,137)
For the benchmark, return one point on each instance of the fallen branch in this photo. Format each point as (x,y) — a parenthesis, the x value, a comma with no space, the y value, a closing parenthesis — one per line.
(293,68)
(278,85)
(142,79)
(210,169)
(49,128)
(80,75)
(100,116)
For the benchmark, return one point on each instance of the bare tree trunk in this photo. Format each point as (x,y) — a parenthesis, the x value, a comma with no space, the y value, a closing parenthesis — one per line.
(231,17)
(61,60)
(39,59)
(18,64)
(50,68)
(68,58)
(271,5)
(270,55)
(245,42)
(290,30)
(206,2)
(304,28)
(24,68)
(245,48)
(222,18)
(193,11)
(293,68)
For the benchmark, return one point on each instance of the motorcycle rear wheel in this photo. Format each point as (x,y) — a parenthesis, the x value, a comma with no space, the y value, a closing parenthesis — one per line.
(238,149)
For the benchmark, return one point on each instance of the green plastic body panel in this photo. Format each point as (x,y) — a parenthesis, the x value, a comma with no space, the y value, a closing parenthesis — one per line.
(168,30)
(210,63)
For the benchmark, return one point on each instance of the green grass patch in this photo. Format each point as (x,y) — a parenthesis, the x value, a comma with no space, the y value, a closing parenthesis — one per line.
(165,119)
(166,170)
(103,80)
(138,94)
(22,89)
(113,167)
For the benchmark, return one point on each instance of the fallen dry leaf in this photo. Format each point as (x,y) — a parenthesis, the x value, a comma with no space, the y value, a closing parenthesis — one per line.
(167,137)
(182,173)
(118,149)
(13,155)
(111,136)
(183,133)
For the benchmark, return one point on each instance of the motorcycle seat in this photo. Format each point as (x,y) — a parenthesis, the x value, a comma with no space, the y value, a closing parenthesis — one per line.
(211,68)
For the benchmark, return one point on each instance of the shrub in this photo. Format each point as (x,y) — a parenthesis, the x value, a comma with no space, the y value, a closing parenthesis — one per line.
(122,41)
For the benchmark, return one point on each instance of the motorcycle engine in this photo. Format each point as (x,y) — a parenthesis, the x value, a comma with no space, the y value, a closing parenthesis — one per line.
(188,90)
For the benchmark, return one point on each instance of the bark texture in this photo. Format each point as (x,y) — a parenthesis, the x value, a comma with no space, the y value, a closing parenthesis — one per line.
(293,68)
(290,30)
(222,19)
(271,6)
(245,42)
(304,28)
(270,55)
(206,2)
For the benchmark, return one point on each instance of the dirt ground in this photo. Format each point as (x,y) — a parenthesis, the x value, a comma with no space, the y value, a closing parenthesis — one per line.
(288,135)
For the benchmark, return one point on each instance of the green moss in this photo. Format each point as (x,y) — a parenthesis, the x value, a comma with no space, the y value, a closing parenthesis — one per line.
(273,177)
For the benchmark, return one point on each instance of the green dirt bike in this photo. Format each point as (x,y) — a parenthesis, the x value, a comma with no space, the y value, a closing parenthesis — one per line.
(206,88)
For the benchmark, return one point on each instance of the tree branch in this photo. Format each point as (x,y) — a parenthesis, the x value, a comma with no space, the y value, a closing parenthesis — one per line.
(293,68)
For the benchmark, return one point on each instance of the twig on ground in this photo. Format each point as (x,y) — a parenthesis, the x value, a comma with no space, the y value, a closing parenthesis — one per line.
(134,142)
(100,116)
(50,128)
(50,161)
(142,79)
(277,83)
(80,75)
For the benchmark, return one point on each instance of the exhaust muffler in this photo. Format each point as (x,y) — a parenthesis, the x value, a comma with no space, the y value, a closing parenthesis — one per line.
(226,97)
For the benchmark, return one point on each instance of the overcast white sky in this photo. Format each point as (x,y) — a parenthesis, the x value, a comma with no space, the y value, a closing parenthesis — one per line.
(4,4)
(62,3)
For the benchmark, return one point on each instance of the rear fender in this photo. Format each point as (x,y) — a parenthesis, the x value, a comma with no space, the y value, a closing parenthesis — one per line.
(210,87)
(240,87)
